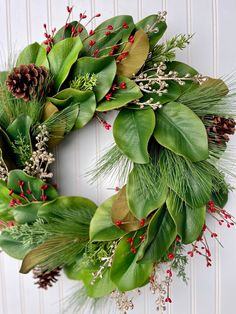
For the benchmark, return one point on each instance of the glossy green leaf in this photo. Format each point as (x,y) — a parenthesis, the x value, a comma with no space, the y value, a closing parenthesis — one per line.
(182,69)
(160,235)
(61,58)
(102,227)
(121,97)
(6,150)
(126,273)
(30,183)
(179,129)
(13,248)
(33,53)
(84,206)
(20,126)
(189,221)
(132,130)
(26,213)
(173,93)
(102,286)
(72,271)
(64,33)
(153,22)
(104,68)
(84,99)
(142,205)
(103,42)
(5,198)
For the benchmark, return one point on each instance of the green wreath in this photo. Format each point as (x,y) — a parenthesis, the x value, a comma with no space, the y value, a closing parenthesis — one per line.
(171,133)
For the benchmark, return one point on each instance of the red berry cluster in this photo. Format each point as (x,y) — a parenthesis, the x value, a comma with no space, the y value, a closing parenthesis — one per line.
(26,195)
(109,95)
(221,215)
(49,38)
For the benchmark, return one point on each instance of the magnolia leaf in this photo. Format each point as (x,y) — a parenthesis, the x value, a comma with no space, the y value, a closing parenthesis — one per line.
(101,287)
(6,150)
(5,198)
(179,129)
(183,69)
(150,23)
(132,130)
(61,58)
(66,32)
(121,97)
(84,99)
(126,273)
(102,228)
(137,55)
(56,136)
(189,221)
(120,211)
(83,207)
(173,93)
(35,185)
(160,235)
(104,42)
(140,204)
(103,68)
(20,126)
(26,213)
(35,54)
(12,247)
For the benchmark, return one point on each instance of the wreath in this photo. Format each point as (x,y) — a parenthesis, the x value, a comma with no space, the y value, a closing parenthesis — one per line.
(170,157)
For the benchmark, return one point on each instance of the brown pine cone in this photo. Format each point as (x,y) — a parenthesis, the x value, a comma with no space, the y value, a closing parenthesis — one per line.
(46,279)
(27,81)
(220,128)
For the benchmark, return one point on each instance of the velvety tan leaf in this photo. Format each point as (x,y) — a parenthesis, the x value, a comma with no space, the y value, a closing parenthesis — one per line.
(121,211)
(57,136)
(137,54)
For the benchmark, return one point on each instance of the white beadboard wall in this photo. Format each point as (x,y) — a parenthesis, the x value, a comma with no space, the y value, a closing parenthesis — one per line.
(213,52)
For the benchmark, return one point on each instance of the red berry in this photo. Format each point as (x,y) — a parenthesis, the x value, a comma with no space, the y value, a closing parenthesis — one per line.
(108,33)
(10,192)
(119,223)
(92,43)
(92,32)
(44,187)
(134,250)
(110,27)
(98,15)
(170,256)
(168,300)
(142,222)
(21,183)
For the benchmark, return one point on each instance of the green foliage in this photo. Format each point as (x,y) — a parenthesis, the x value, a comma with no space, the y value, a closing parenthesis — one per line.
(179,129)
(126,273)
(30,183)
(113,165)
(11,108)
(192,182)
(63,32)
(33,53)
(102,227)
(165,52)
(28,235)
(103,42)
(161,234)
(68,220)
(189,221)
(61,58)
(146,189)
(103,68)
(84,82)
(5,198)
(121,97)
(154,27)
(132,130)
(85,100)
(26,213)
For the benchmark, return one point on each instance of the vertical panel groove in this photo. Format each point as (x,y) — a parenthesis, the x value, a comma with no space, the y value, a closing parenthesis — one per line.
(215,33)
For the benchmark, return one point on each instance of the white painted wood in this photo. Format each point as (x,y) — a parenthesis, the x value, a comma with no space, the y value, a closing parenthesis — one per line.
(213,52)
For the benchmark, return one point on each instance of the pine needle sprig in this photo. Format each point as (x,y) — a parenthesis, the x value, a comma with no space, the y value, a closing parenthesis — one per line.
(217,98)
(113,165)
(11,108)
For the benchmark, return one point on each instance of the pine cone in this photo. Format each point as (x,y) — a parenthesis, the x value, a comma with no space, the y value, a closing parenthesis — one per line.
(27,81)
(220,128)
(46,279)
